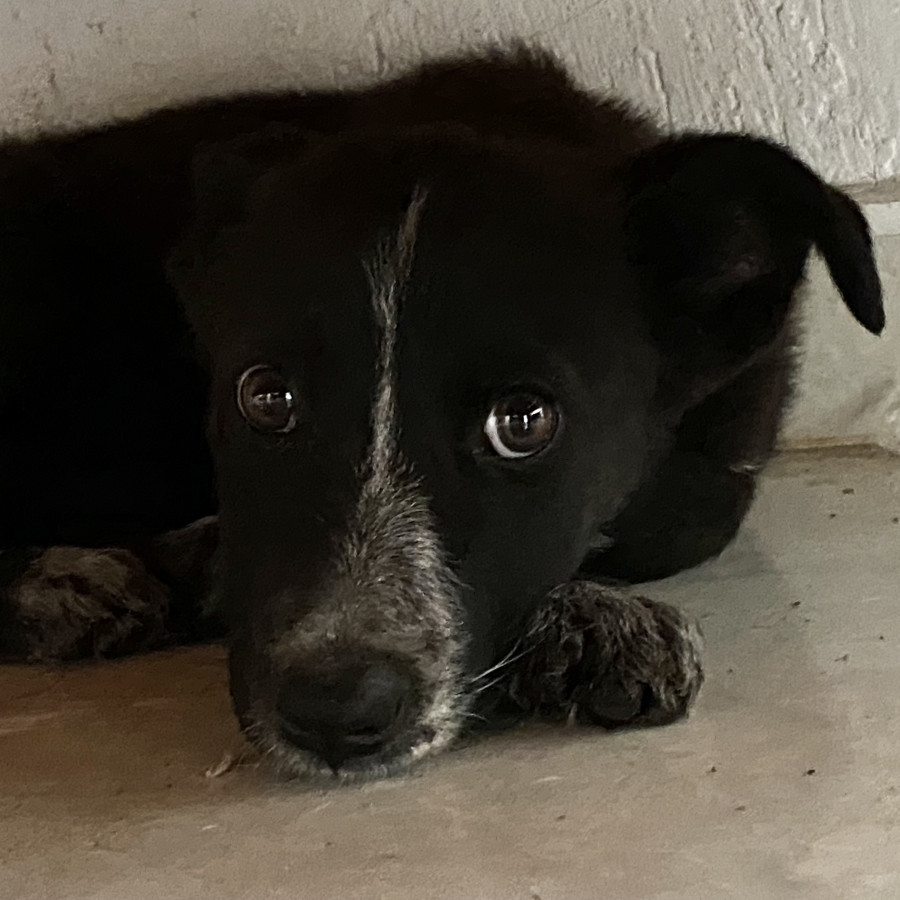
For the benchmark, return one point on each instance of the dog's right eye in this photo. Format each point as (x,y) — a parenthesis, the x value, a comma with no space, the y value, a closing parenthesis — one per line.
(266,401)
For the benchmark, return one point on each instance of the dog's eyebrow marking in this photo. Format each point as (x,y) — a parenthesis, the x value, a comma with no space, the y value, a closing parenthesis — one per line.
(388,274)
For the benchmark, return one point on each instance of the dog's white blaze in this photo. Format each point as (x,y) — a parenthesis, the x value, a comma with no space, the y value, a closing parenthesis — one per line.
(388,486)
(397,593)
(388,275)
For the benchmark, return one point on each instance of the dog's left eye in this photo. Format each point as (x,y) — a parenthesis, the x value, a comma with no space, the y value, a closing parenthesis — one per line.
(266,400)
(521,425)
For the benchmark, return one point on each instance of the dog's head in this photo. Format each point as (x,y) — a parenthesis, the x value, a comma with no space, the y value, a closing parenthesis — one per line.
(439,366)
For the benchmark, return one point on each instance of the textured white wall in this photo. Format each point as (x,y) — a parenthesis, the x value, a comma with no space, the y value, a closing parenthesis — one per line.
(820,75)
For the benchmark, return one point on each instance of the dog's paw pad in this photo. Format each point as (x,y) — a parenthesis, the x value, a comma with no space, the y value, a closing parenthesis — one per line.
(609,658)
(612,703)
(650,673)
(74,603)
(617,702)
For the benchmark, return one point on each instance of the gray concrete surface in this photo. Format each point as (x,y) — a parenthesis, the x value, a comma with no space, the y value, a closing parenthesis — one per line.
(785,783)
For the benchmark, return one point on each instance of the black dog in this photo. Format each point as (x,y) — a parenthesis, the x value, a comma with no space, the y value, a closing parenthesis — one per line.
(470,345)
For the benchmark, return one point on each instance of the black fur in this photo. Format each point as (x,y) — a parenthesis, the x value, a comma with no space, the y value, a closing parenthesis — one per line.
(647,285)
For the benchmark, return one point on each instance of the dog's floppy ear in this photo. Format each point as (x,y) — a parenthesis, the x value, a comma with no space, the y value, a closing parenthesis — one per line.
(721,227)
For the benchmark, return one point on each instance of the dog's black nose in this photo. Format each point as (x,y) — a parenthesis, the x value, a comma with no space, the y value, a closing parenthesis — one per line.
(353,712)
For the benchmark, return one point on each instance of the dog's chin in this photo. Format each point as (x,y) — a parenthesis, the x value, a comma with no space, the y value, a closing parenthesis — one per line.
(434,731)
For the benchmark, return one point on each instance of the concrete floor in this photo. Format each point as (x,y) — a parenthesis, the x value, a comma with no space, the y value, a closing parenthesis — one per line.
(785,783)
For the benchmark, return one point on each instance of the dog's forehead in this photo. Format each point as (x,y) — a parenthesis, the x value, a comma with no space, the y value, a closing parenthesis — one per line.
(513,276)
(492,255)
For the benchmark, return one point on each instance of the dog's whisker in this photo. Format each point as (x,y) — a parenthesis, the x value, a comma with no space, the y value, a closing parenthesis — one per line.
(484,687)
(503,663)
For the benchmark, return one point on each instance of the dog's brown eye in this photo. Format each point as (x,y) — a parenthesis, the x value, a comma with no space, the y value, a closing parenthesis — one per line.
(266,400)
(521,425)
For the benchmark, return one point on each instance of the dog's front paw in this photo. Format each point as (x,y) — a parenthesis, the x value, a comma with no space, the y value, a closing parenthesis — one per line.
(75,603)
(610,658)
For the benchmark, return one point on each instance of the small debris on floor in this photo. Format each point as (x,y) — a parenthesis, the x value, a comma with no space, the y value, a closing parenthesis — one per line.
(225,764)
(848,491)
(228,762)
(810,772)
(844,658)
